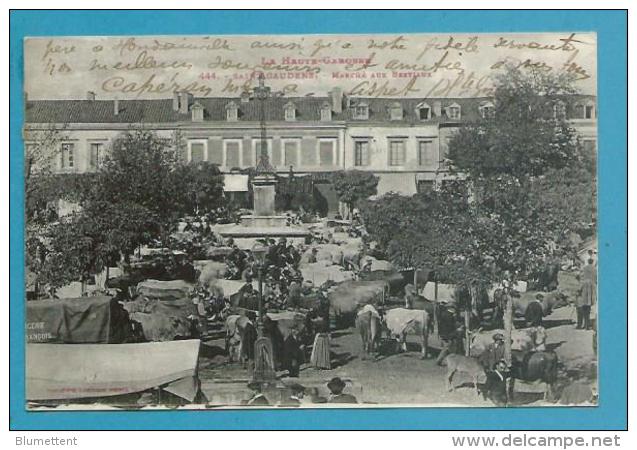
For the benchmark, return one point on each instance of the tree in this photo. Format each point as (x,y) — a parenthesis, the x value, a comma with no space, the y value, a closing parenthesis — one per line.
(196,187)
(353,186)
(512,158)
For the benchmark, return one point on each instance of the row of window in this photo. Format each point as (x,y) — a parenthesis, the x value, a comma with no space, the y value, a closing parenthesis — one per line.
(397,152)
(233,155)
(66,159)
(326,153)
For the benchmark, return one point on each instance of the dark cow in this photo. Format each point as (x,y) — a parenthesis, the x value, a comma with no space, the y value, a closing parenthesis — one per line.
(534,366)
(528,305)
(369,326)
(547,300)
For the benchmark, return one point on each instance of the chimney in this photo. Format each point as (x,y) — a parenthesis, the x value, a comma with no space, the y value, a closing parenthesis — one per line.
(176,101)
(245,97)
(90,95)
(337,99)
(437,109)
(185,99)
(116,106)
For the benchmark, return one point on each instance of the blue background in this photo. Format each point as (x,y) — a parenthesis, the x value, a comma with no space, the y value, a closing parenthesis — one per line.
(611,28)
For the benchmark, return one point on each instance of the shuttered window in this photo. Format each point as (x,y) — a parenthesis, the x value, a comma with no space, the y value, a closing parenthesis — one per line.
(361,153)
(196,152)
(396,153)
(425,153)
(232,154)
(291,153)
(326,153)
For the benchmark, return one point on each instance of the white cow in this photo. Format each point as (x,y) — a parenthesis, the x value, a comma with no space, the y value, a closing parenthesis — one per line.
(401,321)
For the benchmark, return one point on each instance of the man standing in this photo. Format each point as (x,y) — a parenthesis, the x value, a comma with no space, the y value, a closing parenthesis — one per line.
(293,355)
(586,296)
(496,384)
(493,353)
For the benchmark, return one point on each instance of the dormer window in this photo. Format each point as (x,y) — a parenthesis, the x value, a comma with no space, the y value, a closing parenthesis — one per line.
(290,112)
(232,112)
(197,112)
(487,110)
(453,111)
(360,111)
(423,110)
(326,112)
(396,111)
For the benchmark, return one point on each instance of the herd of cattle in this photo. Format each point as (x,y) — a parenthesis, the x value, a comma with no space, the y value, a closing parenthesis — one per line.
(373,300)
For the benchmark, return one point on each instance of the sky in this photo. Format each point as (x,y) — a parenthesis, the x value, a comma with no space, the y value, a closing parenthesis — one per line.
(385,65)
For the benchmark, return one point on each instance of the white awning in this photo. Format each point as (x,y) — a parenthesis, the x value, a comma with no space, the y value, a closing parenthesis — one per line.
(235,183)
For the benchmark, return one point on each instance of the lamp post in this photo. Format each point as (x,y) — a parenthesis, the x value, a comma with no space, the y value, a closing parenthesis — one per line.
(263,353)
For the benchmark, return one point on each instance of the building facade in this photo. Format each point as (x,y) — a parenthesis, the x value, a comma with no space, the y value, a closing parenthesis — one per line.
(403,141)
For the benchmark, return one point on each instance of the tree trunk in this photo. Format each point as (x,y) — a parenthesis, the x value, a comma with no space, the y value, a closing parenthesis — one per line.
(467,332)
(508,326)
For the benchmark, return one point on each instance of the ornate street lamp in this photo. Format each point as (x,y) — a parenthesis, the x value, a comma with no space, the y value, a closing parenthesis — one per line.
(263,351)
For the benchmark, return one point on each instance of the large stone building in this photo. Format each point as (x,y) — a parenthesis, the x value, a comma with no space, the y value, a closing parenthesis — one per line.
(403,141)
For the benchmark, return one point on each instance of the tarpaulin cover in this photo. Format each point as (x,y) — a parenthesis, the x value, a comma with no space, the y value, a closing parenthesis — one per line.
(445,292)
(346,297)
(84,320)
(164,290)
(163,320)
(57,371)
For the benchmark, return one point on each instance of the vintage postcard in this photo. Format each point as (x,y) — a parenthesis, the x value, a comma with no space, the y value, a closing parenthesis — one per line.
(311,221)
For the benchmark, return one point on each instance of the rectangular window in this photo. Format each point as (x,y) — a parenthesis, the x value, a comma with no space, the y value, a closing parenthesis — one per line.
(67,157)
(425,153)
(290,114)
(326,153)
(96,155)
(424,113)
(196,153)
(326,114)
(396,153)
(197,150)
(291,153)
(257,151)
(589,112)
(232,154)
(361,153)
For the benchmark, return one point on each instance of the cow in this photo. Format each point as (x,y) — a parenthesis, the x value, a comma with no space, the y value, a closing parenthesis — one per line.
(548,301)
(241,335)
(463,364)
(369,326)
(521,303)
(524,340)
(533,367)
(403,321)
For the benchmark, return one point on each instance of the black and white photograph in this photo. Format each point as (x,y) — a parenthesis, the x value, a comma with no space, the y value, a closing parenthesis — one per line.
(311,221)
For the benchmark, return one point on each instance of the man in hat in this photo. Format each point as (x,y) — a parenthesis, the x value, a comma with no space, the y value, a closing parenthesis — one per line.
(534,311)
(493,353)
(336,386)
(450,330)
(495,389)
(293,355)
(296,396)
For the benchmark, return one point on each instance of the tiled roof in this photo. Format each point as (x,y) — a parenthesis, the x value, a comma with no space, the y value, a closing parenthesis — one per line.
(307,109)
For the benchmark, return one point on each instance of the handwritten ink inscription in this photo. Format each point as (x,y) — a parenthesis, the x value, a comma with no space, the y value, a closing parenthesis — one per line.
(408,65)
